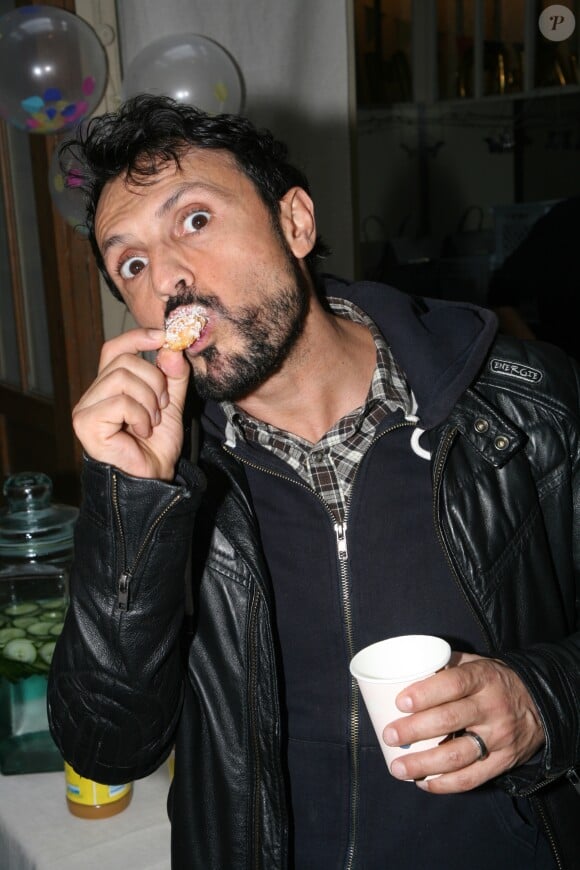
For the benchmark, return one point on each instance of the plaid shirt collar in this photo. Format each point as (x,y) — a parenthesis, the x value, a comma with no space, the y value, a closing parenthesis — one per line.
(388,391)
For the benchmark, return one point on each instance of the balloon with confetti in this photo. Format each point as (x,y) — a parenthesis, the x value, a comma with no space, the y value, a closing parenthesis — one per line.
(66,176)
(189,68)
(53,69)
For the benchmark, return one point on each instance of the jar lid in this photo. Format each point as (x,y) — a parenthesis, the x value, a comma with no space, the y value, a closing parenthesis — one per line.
(31,525)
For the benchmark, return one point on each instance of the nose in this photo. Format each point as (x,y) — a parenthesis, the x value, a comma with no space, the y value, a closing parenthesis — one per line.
(170,271)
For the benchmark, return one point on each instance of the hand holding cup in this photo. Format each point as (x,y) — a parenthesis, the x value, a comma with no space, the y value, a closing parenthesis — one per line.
(384,669)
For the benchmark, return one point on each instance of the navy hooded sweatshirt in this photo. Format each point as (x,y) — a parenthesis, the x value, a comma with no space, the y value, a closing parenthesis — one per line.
(395,580)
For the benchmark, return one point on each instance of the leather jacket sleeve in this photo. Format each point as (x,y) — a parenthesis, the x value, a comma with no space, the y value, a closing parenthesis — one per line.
(551,670)
(519,554)
(115,687)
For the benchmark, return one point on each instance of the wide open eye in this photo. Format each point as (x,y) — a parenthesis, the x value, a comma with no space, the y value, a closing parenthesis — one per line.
(131,267)
(196,221)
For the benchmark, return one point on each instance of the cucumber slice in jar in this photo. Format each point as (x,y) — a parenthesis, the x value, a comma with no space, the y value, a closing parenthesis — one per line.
(51,615)
(40,629)
(8,634)
(20,650)
(23,621)
(56,629)
(46,650)
(51,603)
(21,608)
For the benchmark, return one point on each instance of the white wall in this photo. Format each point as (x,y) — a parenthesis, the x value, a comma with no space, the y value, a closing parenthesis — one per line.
(294,58)
(293,55)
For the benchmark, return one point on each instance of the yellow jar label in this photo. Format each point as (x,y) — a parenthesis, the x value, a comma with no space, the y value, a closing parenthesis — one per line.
(91,794)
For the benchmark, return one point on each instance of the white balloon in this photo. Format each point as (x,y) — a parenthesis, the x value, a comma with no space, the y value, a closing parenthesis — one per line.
(189,68)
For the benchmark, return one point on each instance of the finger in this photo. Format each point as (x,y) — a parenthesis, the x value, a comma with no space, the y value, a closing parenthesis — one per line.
(465,778)
(134,341)
(133,406)
(443,720)
(452,755)
(177,372)
(125,382)
(132,366)
(446,685)
(99,423)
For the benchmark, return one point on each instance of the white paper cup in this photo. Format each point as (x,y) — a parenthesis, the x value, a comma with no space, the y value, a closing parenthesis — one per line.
(384,669)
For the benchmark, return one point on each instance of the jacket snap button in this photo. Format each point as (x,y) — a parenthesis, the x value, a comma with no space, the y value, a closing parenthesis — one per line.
(501,442)
(481,425)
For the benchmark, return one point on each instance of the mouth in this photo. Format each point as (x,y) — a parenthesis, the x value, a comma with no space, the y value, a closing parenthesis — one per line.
(195,348)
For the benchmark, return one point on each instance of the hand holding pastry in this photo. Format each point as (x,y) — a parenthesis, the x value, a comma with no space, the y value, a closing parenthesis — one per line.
(131,416)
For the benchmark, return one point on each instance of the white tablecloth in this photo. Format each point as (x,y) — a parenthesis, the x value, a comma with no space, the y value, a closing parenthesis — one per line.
(37,831)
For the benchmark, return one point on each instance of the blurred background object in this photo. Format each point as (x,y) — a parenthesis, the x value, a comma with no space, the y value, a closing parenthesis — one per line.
(36,551)
(535,290)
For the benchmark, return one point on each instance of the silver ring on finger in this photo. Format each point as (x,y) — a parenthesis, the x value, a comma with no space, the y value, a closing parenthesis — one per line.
(479,741)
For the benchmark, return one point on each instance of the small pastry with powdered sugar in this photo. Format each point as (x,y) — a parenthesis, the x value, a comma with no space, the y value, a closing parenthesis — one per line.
(183,327)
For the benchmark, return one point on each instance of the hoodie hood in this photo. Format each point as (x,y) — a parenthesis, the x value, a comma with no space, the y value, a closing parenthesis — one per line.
(439,345)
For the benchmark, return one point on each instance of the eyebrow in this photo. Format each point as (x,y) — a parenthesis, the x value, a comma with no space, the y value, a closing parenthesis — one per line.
(165,207)
(112,241)
(187,187)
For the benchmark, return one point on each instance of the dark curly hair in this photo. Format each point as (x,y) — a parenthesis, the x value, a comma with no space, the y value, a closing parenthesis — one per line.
(148,132)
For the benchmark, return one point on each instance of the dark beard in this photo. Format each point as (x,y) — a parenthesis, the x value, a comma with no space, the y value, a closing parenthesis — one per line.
(269,333)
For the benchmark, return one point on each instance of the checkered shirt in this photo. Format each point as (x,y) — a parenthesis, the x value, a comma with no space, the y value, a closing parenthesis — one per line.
(330,465)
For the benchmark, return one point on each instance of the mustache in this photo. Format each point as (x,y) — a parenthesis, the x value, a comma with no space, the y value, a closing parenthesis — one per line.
(190,296)
(186,297)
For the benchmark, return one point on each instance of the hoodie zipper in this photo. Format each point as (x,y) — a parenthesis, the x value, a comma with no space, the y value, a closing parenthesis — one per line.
(340,530)
(124,581)
(354,720)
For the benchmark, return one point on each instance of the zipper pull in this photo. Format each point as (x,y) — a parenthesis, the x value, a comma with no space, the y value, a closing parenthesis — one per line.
(340,532)
(123,593)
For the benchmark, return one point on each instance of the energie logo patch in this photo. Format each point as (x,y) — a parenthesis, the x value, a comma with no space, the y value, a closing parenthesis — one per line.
(516,370)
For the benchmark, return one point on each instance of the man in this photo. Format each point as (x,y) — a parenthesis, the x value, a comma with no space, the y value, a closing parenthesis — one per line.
(371,465)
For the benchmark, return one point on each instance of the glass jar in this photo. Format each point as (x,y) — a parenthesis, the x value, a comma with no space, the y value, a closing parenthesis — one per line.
(36,548)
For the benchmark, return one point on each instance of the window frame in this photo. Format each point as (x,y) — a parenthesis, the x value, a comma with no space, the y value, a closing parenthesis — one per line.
(75,324)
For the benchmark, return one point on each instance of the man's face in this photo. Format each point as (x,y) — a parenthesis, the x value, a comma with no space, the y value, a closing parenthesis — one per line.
(201,234)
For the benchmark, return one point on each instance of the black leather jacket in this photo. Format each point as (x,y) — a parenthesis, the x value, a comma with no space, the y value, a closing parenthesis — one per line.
(505,467)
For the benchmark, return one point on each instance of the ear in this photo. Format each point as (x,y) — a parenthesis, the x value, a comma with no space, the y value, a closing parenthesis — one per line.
(298,222)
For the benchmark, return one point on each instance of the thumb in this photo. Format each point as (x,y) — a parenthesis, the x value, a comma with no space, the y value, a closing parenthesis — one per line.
(177,370)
